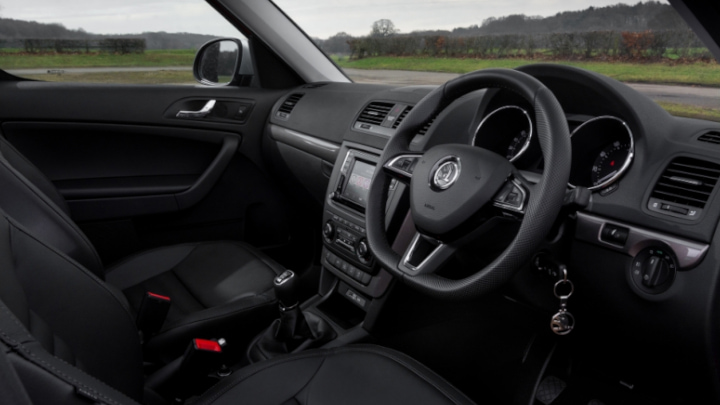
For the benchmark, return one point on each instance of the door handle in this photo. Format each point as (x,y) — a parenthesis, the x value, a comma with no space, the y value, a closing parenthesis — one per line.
(202,113)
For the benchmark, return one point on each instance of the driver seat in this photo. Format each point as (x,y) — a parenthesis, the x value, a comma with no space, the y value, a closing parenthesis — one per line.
(68,337)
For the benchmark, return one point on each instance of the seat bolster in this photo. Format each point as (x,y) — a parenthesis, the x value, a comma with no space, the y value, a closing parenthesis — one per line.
(152,263)
(218,289)
(29,206)
(238,321)
(350,375)
(148,264)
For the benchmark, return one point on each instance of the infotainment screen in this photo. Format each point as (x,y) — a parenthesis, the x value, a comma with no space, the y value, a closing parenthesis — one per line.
(358,183)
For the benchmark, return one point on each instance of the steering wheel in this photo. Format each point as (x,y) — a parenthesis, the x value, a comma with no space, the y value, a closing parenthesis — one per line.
(454,186)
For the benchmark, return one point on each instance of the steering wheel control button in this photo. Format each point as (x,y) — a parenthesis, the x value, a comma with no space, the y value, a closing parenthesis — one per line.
(511,197)
(617,235)
(653,269)
(404,165)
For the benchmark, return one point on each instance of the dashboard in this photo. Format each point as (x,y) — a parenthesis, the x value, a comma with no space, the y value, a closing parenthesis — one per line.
(641,250)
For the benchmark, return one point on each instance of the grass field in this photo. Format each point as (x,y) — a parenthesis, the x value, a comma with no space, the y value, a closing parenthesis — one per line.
(703,74)
(155,77)
(691,111)
(12,59)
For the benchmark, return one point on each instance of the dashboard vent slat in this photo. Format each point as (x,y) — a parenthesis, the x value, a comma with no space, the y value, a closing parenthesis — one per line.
(426,127)
(687,181)
(289,104)
(401,117)
(710,137)
(375,113)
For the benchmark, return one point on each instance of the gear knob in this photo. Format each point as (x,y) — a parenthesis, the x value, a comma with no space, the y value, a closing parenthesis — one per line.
(286,289)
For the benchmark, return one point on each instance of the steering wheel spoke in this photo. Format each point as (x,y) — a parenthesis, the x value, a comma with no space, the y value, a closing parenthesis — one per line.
(401,166)
(424,255)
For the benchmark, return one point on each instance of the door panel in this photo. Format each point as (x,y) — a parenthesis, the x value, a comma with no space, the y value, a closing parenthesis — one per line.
(110,171)
(136,176)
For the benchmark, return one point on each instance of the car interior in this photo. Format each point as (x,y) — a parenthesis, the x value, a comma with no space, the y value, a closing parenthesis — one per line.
(540,235)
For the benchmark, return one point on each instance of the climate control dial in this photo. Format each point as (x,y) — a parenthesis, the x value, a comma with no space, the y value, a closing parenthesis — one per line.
(329,231)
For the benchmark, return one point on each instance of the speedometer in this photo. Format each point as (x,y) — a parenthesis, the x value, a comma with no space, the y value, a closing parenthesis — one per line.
(602,150)
(609,162)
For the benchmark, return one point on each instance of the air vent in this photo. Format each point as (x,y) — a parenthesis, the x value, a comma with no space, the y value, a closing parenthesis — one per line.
(375,113)
(687,181)
(288,105)
(711,137)
(314,85)
(426,127)
(401,117)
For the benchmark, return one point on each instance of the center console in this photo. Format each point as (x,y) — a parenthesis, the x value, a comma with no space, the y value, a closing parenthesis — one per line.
(353,287)
(346,254)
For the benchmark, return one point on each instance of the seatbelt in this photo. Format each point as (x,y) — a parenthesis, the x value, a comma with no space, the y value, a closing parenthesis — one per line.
(12,390)
(14,337)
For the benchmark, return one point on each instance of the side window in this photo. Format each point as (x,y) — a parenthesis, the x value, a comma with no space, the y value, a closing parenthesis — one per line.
(136,42)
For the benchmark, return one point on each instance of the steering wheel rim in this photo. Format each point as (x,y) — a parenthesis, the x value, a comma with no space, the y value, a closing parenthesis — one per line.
(544,203)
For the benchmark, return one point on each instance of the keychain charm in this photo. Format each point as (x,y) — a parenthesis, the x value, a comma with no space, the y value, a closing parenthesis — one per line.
(563,322)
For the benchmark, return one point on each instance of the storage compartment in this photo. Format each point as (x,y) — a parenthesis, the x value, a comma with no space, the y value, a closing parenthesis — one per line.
(343,310)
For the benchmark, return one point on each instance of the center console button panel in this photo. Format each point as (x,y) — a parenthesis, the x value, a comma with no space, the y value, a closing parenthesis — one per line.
(357,274)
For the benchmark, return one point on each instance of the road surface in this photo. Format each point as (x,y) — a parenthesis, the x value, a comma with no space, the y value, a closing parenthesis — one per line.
(699,96)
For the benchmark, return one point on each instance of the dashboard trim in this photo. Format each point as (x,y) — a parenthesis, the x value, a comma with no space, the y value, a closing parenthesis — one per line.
(326,150)
(589,229)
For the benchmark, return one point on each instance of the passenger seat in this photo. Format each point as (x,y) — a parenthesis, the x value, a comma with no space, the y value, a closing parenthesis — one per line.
(217,289)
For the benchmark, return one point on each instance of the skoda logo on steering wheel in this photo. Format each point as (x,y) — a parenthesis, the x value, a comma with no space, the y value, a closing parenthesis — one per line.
(446,172)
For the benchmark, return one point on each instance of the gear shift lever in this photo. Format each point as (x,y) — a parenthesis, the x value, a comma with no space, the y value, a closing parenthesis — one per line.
(292,322)
(286,290)
(294,330)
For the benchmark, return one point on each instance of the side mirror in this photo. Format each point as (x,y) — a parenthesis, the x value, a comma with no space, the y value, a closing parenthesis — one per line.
(218,62)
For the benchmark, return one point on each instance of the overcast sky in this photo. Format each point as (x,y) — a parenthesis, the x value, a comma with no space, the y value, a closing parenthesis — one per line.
(319,18)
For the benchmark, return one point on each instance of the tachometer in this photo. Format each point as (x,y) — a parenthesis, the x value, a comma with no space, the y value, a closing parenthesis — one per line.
(506,131)
(517,144)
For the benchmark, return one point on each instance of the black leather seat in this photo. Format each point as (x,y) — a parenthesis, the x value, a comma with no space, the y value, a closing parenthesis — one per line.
(69,338)
(217,288)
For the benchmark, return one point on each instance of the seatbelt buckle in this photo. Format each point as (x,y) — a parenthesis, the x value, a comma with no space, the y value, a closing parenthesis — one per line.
(202,355)
(153,311)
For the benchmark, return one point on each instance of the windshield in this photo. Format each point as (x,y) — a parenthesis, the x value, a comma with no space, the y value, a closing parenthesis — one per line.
(646,45)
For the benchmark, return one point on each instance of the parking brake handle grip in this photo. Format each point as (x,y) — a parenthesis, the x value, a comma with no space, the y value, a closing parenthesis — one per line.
(202,113)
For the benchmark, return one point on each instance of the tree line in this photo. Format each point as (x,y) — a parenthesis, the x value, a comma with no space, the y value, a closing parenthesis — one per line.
(648,31)
(14,33)
(584,45)
(121,46)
